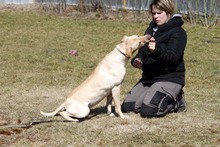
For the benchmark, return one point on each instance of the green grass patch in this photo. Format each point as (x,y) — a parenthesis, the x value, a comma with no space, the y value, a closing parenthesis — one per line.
(37,73)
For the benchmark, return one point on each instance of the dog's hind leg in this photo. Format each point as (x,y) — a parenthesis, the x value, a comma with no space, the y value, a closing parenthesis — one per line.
(77,110)
(66,115)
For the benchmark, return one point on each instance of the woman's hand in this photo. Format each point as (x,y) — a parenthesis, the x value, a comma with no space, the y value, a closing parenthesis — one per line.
(137,63)
(151,45)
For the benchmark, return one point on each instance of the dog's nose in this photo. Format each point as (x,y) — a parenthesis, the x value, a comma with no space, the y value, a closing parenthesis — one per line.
(146,38)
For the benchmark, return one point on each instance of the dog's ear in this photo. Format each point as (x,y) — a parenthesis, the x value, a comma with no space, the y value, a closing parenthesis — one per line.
(124,39)
(128,52)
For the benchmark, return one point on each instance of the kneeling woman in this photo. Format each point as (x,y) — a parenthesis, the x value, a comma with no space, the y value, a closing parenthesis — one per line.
(159,91)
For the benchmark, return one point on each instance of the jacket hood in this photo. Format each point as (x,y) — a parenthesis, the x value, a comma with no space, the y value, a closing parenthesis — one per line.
(175,21)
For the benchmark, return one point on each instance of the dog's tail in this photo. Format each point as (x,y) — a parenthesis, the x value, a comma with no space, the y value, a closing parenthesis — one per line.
(54,112)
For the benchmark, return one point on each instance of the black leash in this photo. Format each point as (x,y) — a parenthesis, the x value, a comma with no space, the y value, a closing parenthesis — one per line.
(40,121)
(30,123)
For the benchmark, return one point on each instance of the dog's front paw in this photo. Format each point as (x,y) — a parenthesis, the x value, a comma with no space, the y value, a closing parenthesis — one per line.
(111,114)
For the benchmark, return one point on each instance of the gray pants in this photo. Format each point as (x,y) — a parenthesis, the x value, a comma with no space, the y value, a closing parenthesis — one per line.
(152,101)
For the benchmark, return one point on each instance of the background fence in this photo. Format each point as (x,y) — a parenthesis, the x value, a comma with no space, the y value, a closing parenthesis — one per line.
(205,12)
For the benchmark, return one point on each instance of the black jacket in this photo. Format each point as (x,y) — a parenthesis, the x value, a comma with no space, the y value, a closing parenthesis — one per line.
(166,63)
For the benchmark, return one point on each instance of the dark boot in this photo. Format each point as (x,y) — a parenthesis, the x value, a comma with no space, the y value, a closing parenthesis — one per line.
(181,103)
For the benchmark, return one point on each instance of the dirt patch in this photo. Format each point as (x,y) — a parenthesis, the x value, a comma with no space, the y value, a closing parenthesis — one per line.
(3,120)
(9,132)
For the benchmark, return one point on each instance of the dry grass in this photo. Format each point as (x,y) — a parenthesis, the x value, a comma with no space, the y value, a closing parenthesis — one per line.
(37,73)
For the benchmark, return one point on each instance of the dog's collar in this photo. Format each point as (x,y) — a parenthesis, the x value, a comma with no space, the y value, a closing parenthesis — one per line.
(122,53)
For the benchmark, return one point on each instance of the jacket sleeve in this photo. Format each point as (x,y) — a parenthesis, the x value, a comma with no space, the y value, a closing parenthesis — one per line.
(171,51)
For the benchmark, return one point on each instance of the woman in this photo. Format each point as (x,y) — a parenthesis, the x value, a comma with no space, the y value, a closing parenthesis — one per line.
(159,91)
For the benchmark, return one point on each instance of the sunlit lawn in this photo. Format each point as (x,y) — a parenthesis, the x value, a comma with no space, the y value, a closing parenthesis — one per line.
(37,73)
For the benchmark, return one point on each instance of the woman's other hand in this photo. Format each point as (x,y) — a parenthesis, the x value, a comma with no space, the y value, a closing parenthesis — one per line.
(137,63)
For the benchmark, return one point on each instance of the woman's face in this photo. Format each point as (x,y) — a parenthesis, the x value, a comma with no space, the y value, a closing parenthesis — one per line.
(160,17)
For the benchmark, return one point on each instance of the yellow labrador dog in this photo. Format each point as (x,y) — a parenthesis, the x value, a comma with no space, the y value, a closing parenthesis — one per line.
(105,81)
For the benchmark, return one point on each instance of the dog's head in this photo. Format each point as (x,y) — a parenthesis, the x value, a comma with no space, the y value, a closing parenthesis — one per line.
(133,43)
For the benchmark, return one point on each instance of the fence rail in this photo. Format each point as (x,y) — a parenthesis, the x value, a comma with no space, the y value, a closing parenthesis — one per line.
(205,11)
(182,5)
